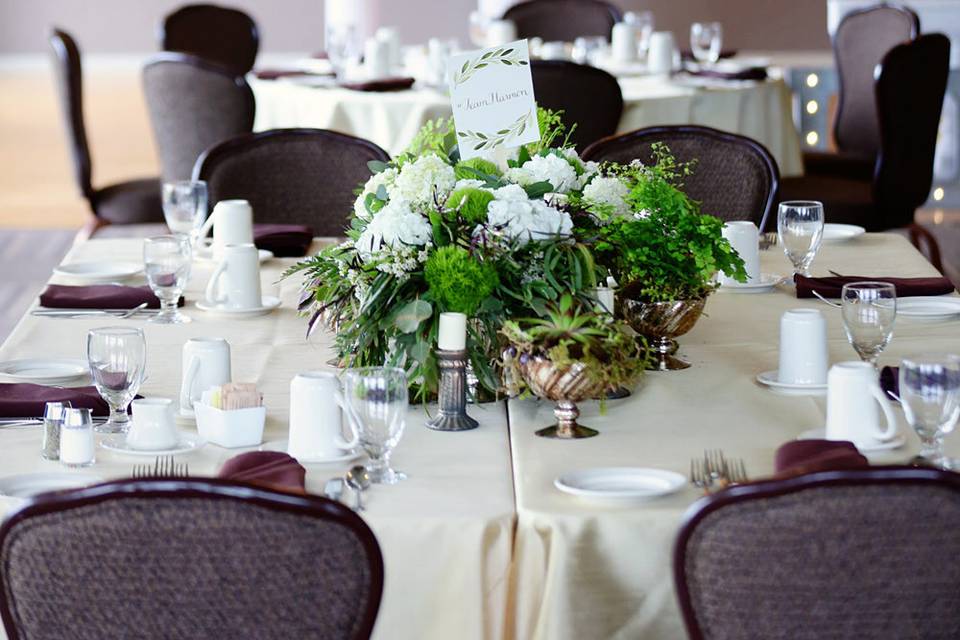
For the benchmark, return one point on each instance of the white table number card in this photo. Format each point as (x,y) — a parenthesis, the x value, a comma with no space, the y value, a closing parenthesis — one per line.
(492,95)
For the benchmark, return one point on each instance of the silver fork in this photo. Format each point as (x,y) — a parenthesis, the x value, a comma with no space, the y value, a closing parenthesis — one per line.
(715,464)
(163,466)
(699,477)
(736,471)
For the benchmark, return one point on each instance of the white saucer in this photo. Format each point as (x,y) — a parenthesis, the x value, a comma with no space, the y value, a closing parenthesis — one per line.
(620,484)
(25,485)
(837,233)
(205,254)
(766,283)
(269,303)
(769,380)
(895,443)
(44,370)
(118,444)
(281,445)
(928,308)
(98,272)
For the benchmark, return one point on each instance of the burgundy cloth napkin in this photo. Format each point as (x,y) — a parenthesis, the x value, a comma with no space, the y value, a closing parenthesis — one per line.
(29,400)
(748,73)
(383,84)
(99,296)
(890,381)
(806,456)
(283,240)
(273,469)
(831,287)
(687,54)
(273,74)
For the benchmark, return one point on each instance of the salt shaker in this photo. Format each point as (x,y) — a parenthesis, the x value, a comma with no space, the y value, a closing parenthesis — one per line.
(52,421)
(76,438)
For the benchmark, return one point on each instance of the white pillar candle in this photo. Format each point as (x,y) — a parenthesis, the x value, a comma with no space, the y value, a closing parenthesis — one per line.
(453,332)
(605,299)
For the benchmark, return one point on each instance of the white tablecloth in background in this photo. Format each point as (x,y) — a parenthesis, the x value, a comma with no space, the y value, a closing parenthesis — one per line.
(760,110)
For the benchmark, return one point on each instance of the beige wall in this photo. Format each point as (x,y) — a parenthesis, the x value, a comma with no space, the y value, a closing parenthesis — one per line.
(128,26)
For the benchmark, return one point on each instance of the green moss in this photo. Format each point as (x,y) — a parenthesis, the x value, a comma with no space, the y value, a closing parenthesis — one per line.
(457,281)
(471,203)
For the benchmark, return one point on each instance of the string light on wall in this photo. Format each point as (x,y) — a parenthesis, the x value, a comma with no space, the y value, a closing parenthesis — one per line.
(812,107)
(813,80)
(938,194)
(812,138)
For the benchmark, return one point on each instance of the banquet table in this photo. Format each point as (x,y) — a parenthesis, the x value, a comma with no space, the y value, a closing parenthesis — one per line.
(760,110)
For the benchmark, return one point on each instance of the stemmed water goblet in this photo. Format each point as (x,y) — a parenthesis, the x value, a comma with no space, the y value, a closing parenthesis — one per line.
(800,231)
(706,39)
(930,396)
(376,403)
(117,357)
(185,207)
(166,262)
(869,310)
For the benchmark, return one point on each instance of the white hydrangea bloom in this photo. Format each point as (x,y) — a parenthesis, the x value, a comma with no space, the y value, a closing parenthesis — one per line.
(385,178)
(418,180)
(525,220)
(590,169)
(608,190)
(510,192)
(393,226)
(499,156)
(549,168)
(468,183)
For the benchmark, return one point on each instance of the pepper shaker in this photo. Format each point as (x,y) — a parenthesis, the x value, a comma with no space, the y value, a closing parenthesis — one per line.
(53,415)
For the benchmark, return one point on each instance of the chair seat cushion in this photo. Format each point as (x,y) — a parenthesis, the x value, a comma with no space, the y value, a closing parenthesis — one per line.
(130,202)
(844,200)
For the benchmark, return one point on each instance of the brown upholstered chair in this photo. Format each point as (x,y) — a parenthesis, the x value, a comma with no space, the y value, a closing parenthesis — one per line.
(735,177)
(589,97)
(133,201)
(303,176)
(183,558)
(193,104)
(926,243)
(909,88)
(219,34)
(563,19)
(870,553)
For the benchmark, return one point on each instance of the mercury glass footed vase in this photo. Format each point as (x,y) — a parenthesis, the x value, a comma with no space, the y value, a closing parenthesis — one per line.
(661,323)
(566,385)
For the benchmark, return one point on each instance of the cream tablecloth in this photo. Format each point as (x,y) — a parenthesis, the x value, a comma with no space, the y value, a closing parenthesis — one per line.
(760,110)
(446,533)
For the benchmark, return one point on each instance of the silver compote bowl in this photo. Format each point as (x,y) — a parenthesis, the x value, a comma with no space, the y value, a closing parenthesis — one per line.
(661,323)
(566,386)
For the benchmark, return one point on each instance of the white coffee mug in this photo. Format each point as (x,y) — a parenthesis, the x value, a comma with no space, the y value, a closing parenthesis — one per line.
(316,418)
(744,237)
(623,42)
(391,36)
(660,55)
(152,427)
(853,395)
(235,283)
(500,32)
(376,58)
(554,50)
(232,222)
(206,363)
(803,347)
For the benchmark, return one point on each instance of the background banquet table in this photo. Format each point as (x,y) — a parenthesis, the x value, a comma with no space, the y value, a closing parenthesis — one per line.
(446,533)
(760,110)
(588,571)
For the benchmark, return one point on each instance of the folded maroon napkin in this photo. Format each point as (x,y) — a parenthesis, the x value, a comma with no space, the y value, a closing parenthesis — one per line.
(273,74)
(890,381)
(687,54)
(273,469)
(806,456)
(831,287)
(383,84)
(99,296)
(283,240)
(747,73)
(29,400)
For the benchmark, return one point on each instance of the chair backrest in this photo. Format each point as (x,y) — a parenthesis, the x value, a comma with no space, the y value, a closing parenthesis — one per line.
(870,553)
(926,243)
(178,558)
(220,34)
(735,177)
(563,20)
(303,176)
(69,79)
(589,97)
(862,39)
(193,105)
(910,87)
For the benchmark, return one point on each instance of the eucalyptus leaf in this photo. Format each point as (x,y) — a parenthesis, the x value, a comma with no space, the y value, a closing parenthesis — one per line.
(376,166)
(409,317)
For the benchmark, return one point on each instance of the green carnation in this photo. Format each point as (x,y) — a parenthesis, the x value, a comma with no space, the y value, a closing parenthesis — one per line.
(457,281)
(471,203)
(463,169)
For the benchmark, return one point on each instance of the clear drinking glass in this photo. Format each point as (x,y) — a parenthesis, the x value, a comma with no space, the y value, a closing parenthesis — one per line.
(166,260)
(342,46)
(706,38)
(117,357)
(376,401)
(869,311)
(800,231)
(930,395)
(185,207)
(586,48)
(642,21)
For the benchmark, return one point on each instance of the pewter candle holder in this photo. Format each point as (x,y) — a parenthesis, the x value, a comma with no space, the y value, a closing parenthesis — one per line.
(452,415)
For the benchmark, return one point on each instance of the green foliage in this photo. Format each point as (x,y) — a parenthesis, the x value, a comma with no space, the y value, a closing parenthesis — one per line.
(476,169)
(436,136)
(457,281)
(470,203)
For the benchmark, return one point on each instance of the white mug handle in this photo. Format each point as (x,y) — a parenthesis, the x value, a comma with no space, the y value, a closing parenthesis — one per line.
(207,225)
(211,293)
(889,418)
(352,421)
(189,379)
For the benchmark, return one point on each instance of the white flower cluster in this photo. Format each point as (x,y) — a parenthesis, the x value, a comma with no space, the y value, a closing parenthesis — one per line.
(609,191)
(400,261)
(394,225)
(516,217)
(549,168)
(419,180)
(385,179)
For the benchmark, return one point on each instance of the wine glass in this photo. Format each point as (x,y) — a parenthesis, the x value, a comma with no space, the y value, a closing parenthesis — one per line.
(117,357)
(800,230)
(706,38)
(869,311)
(185,207)
(586,49)
(166,261)
(930,395)
(342,47)
(376,402)
(642,22)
